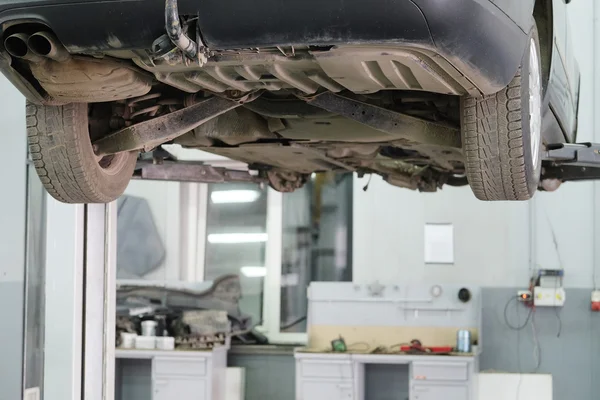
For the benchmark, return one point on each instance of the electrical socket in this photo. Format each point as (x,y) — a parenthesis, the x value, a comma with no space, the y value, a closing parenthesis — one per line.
(524,295)
(596,300)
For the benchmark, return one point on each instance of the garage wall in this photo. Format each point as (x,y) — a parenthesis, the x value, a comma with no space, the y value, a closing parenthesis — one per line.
(496,244)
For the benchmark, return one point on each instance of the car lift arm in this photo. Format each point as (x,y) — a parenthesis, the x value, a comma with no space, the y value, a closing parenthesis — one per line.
(190,171)
(571,162)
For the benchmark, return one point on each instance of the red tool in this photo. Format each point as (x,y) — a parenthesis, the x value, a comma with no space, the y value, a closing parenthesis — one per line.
(417,348)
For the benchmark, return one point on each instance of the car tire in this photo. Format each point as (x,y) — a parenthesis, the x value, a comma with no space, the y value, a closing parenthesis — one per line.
(61,150)
(501,134)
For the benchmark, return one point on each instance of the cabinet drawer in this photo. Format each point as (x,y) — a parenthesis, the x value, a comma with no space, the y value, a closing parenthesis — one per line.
(440,371)
(325,390)
(326,369)
(179,367)
(437,392)
(179,389)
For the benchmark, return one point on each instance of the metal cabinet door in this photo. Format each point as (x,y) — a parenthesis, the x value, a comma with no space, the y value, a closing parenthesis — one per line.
(177,389)
(439,392)
(325,390)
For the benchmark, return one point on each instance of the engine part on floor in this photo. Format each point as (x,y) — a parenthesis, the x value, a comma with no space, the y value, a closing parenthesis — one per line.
(394,123)
(87,80)
(189,171)
(149,134)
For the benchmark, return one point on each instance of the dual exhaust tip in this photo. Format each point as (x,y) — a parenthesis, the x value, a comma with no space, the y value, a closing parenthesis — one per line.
(36,47)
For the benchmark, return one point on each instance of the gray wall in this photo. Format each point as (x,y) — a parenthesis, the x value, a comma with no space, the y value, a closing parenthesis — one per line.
(571,358)
(12,239)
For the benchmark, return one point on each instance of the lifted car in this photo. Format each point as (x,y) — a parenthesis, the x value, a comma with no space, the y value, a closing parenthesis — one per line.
(424,93)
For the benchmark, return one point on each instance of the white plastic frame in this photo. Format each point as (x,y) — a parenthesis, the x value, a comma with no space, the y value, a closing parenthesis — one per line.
(196,198)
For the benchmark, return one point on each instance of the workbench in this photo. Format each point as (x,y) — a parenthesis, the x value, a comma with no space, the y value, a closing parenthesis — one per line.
(378,318)
(181,374)
(328,376)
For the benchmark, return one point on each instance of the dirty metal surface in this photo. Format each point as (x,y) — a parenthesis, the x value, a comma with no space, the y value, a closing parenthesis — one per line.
(183,171)
(360,69)
(399,125)
(294,157)
(149,134)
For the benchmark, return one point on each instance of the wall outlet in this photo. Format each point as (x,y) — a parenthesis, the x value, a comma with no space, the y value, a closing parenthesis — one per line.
(548,297)
(596,300)
(524,295)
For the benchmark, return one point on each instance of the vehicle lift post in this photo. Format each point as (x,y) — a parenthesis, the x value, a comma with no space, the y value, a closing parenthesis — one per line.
(79,359)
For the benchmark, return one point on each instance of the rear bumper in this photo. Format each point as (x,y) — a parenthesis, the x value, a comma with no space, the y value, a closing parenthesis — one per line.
(475,36)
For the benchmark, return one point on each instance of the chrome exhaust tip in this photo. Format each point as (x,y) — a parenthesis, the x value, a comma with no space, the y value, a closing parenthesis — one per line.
(16,46)
(45,44)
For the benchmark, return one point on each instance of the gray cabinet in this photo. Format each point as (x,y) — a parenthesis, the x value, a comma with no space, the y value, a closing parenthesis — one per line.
(325,390)
(438,392)
(173,388)
(183,375)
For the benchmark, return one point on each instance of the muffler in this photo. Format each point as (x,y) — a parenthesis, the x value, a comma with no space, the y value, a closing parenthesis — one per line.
(16,46)
(45,44)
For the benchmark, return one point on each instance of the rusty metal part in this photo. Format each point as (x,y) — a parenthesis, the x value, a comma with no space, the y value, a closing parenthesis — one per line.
(149,96)
(151,111)
(88,80)
(16,46)
(187,171)
(397,124)
(286,181)
(233,128)
(149,134)
(179,38)
(45,44)
(294,157)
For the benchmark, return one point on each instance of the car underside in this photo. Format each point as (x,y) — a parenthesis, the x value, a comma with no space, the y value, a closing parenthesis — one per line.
(306,109)
(397,108)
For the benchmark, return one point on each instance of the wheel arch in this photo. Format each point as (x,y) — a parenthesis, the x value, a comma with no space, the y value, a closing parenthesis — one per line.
(544,19)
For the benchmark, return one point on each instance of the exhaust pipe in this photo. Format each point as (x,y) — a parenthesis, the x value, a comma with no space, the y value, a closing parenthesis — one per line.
(45,44)
(16,46)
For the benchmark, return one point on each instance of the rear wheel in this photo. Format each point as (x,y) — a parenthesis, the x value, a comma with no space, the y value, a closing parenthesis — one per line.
(502,136)
(61,149)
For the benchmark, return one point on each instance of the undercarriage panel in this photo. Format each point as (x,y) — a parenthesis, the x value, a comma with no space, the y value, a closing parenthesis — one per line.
(294,157)
(360,69)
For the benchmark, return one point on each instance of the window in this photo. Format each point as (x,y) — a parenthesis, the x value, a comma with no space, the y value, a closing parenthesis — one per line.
(236,240)
(277,243)
(316,243)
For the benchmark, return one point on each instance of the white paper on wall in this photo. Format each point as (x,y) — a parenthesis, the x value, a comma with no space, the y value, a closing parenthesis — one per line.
(439,244)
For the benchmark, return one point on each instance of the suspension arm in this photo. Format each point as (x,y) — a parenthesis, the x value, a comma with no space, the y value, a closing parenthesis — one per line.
(149,134)
(391,122)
